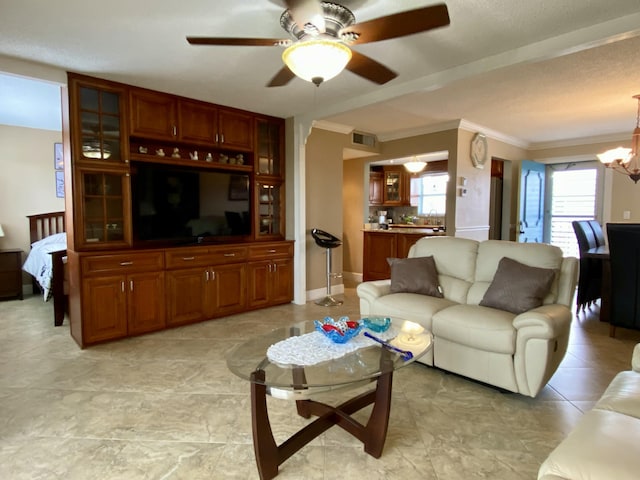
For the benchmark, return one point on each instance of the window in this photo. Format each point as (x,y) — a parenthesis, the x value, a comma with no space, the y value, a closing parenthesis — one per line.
(429,193)
(574,196)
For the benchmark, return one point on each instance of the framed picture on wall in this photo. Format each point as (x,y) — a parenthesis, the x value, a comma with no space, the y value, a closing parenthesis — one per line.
(58,159)
(59,184)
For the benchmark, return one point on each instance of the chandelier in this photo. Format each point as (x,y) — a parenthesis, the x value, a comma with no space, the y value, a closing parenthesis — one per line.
(415,166)
(317,60)
(625,160)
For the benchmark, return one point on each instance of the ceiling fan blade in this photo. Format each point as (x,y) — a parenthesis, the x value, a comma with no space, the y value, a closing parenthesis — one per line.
(398,25)
(239,42)
(307,11)
(281,78)
(370,69)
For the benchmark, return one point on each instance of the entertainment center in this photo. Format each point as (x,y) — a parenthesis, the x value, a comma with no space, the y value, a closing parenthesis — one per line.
(174,208)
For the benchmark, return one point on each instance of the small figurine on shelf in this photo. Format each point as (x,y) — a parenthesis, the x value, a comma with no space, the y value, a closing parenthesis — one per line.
(240,159)
(232,160)
(176,153)
(223,158)
(194,155)
(209,157)
(142,149)
(160,152)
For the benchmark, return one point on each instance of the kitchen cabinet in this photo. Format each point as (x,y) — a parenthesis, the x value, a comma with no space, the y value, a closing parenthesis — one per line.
(380,245)
(396,186)
(376,185)
(160,116)
(122,295)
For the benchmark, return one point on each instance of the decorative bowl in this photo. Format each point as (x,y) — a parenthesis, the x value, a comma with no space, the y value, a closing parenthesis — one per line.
(338,331)
(377,324)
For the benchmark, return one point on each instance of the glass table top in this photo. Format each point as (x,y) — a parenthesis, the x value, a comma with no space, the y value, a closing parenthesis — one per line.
(362,365)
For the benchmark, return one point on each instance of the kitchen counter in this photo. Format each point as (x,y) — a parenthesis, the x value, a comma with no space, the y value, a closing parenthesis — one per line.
(410,229)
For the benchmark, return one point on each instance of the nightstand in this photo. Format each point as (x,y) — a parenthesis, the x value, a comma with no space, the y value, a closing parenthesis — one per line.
(10,274)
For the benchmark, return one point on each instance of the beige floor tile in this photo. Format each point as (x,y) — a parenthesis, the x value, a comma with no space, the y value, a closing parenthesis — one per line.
(165,406)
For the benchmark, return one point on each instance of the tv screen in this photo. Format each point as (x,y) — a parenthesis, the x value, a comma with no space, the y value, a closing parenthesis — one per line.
(185,205)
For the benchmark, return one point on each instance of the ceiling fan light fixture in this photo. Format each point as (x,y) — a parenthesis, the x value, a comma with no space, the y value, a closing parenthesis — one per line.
(317,60)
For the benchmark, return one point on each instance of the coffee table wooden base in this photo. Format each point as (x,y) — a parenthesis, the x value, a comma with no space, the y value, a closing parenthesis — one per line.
(269,455)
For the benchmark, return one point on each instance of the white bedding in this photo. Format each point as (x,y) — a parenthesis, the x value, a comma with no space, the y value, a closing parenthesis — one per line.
(38,262)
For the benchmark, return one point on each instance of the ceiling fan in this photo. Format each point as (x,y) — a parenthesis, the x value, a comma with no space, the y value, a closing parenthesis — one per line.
(323,33)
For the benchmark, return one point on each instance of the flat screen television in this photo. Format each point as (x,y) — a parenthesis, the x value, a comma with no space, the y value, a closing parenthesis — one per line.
(183,205)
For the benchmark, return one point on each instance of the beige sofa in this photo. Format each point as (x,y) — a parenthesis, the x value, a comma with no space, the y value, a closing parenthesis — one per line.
(604,443)
(516,352)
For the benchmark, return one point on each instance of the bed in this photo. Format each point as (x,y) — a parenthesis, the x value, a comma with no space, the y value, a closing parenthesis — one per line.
(47,258)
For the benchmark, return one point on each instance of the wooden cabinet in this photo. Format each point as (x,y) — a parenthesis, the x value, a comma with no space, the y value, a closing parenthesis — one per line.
(269,146)
(269,205)
(11,274)
(376,249)
(161,116)
(378,246)
(376,182)
(213,284)
(102,200)
(396,186)
(122,295)
(270,275)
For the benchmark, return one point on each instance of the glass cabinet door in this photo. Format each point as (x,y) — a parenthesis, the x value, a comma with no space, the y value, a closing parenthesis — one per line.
(270,221)
(392,187)
(105,200)
(269,159)
(100,126)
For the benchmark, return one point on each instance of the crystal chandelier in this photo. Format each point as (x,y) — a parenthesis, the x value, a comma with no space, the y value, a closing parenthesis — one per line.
(625,160)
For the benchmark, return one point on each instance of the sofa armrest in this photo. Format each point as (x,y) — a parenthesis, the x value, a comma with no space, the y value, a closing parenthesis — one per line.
(541,342)
(370,291)
(635,359)
(547,321)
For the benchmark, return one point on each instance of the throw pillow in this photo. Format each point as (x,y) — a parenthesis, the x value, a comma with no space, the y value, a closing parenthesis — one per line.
(517,287)
(415,275)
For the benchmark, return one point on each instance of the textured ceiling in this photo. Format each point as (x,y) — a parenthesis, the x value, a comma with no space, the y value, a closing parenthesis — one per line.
(534,71)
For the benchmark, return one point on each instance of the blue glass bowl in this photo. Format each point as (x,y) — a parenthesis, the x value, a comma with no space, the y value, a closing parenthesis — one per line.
(344,335)
(377,324)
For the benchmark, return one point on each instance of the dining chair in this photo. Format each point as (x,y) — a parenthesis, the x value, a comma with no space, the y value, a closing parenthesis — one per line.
(590,274)
(624,254)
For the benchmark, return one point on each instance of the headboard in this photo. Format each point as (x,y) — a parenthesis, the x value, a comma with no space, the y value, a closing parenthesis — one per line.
(45,224)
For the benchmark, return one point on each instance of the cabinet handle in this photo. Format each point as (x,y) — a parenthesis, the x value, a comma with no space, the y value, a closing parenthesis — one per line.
(186,259)
(122,286)
(275,267)
(125,264)
(222,138)
(206,275)
(272,251)
(213,275)
(175,131)
(229,254)
(131,285)
(216,138)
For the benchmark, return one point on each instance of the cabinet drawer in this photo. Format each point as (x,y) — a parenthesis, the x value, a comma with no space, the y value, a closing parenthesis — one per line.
(120,263)
(203,257)
(271,250)
(230,254)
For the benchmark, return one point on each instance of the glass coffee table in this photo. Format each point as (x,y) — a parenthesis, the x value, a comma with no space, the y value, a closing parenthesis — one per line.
(308,372)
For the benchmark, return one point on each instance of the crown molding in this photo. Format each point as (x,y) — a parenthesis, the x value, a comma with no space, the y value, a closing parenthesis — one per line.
(494,134)
(332,127)
(572,142)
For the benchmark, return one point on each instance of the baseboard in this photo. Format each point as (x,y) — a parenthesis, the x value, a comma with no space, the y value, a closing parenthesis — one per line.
(322,292)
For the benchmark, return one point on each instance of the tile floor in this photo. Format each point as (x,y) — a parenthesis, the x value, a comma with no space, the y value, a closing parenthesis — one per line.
(164,406)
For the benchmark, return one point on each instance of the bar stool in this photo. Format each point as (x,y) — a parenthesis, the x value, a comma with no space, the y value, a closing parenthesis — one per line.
(328,241)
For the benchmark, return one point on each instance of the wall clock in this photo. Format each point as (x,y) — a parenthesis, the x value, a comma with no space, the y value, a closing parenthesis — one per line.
(479,151)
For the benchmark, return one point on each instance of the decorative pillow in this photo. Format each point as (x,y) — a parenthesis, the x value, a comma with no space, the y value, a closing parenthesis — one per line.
(415,275)
(517,287)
